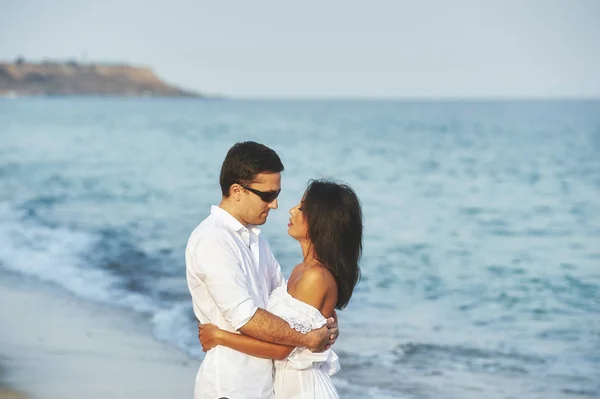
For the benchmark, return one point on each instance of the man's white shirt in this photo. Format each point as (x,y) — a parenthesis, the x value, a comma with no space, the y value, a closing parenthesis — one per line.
(231,271)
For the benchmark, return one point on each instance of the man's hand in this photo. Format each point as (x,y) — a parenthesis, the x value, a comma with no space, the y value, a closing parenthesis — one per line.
(334,331)
(322,339)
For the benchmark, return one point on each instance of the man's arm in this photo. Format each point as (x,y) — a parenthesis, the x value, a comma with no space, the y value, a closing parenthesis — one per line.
(311,289)
(268,327)
(217,265)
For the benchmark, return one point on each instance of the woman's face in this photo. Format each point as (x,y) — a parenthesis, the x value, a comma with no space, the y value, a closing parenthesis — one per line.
(297,227)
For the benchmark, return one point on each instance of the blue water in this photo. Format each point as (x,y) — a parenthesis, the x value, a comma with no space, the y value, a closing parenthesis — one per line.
(481,267)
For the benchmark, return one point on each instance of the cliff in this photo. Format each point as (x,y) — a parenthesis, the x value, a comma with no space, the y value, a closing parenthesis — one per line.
(71,78)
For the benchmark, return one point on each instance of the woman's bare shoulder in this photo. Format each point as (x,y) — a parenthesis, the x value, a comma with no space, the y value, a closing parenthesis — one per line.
(313,286)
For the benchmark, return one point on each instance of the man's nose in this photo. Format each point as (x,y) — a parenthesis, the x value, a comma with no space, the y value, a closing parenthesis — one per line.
(274,204)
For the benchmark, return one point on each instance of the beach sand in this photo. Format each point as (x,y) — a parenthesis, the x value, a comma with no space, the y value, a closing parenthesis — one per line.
(56,346)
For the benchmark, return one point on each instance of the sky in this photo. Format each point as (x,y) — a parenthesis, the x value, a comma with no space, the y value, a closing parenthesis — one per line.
(321,49)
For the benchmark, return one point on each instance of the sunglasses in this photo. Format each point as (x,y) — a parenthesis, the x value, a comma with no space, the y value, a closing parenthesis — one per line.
(266,196)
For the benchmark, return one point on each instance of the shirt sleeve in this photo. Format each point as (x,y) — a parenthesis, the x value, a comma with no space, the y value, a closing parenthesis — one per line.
(217,264)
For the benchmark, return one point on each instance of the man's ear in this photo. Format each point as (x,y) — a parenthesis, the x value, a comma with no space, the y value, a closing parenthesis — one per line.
(235,191)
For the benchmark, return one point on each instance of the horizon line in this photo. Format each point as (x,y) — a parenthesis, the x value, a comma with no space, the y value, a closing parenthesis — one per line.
(224,97)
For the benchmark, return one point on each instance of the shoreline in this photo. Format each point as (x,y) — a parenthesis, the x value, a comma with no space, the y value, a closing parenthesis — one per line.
(54,345)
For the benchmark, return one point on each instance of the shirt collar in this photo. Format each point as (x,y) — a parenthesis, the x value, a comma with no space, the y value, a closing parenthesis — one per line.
(231,222)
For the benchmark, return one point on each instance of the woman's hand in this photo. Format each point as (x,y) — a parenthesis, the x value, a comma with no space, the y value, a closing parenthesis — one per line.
(208,334)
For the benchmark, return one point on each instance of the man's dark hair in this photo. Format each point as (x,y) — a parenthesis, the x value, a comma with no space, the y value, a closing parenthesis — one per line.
(246,160)
(335,228)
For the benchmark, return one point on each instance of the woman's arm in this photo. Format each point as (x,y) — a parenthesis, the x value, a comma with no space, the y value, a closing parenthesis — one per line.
(211,336)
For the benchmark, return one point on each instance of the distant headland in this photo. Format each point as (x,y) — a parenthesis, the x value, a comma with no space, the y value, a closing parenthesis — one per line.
(48,78)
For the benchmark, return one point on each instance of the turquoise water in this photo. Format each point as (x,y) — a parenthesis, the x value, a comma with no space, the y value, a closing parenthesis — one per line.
(481,268)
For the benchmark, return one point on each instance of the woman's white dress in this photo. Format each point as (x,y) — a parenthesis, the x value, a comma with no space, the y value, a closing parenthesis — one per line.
(303,374)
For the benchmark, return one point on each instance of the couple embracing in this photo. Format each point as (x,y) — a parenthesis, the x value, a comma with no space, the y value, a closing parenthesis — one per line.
(266,337)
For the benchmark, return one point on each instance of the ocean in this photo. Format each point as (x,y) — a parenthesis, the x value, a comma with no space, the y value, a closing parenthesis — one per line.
(481,262)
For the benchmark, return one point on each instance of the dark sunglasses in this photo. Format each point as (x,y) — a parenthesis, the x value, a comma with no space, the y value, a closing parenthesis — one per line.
(266,196)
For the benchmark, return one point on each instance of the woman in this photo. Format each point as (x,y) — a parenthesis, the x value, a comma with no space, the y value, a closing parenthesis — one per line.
(328,225)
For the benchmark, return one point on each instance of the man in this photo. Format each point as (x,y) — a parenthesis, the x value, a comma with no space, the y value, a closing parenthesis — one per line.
(231,271)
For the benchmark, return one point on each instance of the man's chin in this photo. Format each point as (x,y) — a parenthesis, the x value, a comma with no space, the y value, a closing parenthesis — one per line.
(260,221)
